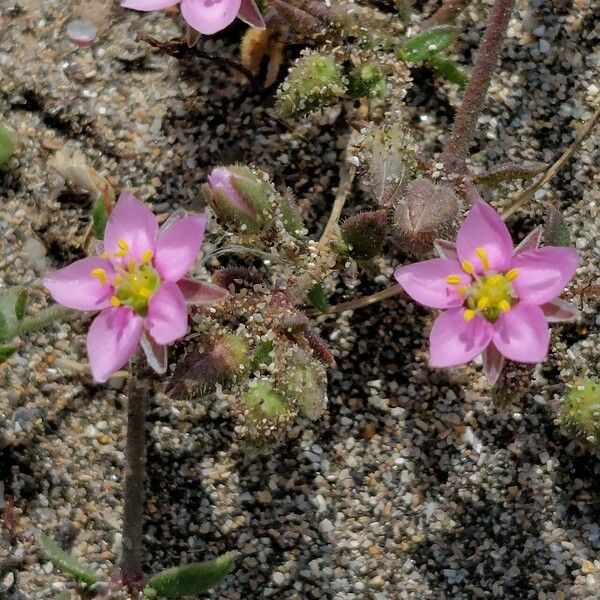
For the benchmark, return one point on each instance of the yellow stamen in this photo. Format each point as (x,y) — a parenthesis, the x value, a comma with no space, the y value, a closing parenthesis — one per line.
(504,305)
(468,315)
(462,290)
(117,280)
(144,293)
(453,279)
(147,256)
(483,303)
(131,265)
(105,254)
(495,279)
(512,274)
(482,254)
(115,301)
(100,274)
(467,267)
(124,249)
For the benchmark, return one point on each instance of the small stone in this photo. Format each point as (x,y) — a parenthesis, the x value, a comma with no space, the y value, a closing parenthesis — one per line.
(82,32)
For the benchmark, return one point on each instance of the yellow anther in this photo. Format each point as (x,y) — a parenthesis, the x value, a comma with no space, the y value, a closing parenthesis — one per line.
(105,254)
(482,254)
(115,301)
(123,248)
(462,290)
(504,305)
(453,279)
(147,256)
(483,303)
(468,315)
(495,279)
(117,280)
(512,274)
(131,264)
(144,293)
(100,274)
(467,267)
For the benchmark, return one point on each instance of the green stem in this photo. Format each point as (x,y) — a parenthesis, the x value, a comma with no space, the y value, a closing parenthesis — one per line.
(45,317)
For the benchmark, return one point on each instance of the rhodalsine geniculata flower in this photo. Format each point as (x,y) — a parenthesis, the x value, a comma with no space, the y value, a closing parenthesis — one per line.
(138,284)
(497,301)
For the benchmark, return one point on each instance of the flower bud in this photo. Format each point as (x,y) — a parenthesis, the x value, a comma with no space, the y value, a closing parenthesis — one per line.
(581,412)
(425,212)
(314,81)
(306,386)
(365,233)
(366,81)
(239,194)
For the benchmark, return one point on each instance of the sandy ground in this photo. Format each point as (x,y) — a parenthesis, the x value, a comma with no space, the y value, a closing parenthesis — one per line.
(416,484)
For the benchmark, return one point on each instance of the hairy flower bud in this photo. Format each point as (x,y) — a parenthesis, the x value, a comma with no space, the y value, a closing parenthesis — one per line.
(581,412)
(367,80)
(365,233)
(305,384)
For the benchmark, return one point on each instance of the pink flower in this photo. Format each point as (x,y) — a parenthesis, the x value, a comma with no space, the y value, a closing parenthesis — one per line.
(206,16)
(138,285)
(498,302)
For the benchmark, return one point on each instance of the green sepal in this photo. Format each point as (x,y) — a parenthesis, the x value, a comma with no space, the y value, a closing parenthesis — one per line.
(99,218)
(317,297)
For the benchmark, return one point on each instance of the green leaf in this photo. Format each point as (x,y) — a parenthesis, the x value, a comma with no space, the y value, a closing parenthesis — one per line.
(449,70)
(317,297)
(99,218)
(12,309)
(6,352)
(556,230)
(262,356)
(427,44)
(189,580)
(21,303)
(64,561)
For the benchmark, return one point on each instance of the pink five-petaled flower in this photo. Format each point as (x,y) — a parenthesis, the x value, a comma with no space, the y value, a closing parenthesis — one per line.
(206,16)
(497,301)
(138,285)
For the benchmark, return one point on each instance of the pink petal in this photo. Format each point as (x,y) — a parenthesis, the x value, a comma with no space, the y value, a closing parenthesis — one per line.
(493,362)
(250,14)
(531,241)
(112,339)
(133,222)
(177,247)
(156,354)
(167,314)
(426,282)
(454,341)
(209,16)
(483,228)
(543,274)
(446,249)
(560,311)
(522,334)
(74,286)
(199,292)
(146,5)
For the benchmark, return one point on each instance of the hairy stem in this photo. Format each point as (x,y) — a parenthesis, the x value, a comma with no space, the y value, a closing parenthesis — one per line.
(135,457)
(45,317)
(363,301)
(465,123)
(446,13)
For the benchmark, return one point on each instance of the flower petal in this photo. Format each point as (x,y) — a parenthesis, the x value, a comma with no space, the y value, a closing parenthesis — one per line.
(177,247)
(454,341)
(560,311)
(483,228)
(446,249)
(112,339)
(156,354)
(167,314)
(209,16)
(543,274)
(426,282)
(522,334)
(493,361)
(146,5)
(250,14)
(74,286)
(199,292)
(134,223)
(531,241)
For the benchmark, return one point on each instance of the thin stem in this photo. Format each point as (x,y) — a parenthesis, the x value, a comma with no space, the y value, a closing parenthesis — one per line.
(446,13)
(465,123)
(45,317)
(135,457)
(529,193)
(363,301)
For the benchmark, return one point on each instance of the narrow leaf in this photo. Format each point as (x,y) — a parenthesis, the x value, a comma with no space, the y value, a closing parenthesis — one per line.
(556,231)
(509,172)
(449,70)
(21,303)
(317,297)
(12,309)
(63,560)
(99,218)
(189,580)
(427,44)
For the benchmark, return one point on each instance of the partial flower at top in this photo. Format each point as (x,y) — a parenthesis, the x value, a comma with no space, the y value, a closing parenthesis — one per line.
(138,283)
(497,302)
(206,16)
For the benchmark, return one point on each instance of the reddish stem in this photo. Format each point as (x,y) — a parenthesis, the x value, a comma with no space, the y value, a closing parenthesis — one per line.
(446,13)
